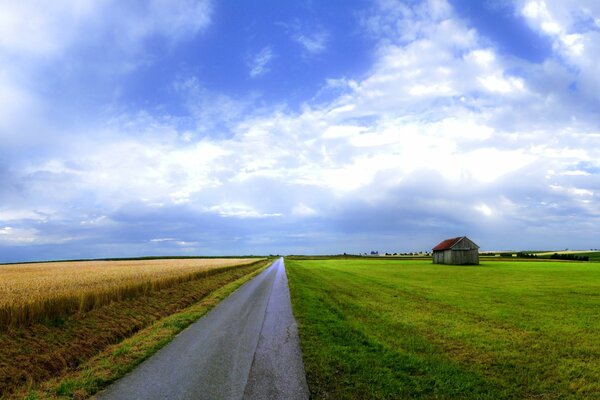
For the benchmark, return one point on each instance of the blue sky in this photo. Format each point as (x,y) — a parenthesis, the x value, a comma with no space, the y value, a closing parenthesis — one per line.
(235,127)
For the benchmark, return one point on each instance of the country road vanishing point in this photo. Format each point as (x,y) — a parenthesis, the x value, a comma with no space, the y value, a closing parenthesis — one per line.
(247,347)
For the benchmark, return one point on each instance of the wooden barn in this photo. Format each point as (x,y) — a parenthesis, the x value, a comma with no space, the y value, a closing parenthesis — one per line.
(456,251)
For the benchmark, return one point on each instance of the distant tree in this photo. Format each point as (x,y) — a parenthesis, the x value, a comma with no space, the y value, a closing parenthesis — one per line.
(526,255)
(569,257)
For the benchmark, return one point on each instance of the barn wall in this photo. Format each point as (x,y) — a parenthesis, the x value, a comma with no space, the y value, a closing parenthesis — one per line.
(447,256)
(456,257)
(442,257)
(464,244)
(460,257)
(469,244)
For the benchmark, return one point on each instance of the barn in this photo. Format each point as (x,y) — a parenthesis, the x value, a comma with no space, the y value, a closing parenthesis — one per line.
(456,251)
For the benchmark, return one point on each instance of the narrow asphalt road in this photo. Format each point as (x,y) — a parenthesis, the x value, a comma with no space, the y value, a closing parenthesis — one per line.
(247,347)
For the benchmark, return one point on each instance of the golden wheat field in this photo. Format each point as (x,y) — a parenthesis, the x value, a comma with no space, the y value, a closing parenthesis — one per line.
(38,292)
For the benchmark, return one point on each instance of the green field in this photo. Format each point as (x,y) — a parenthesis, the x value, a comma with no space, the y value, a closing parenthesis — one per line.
(411,329)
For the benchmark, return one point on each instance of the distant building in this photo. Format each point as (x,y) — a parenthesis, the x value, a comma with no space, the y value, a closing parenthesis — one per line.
(456,251)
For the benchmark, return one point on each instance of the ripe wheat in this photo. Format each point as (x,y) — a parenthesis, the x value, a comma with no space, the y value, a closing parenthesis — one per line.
(40,292)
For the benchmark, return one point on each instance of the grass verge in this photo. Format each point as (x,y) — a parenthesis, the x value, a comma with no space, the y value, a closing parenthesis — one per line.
(393,329)
(81,355)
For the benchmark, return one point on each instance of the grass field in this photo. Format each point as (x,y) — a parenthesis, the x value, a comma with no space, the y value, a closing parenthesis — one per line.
(78,354)
(43,291)
(411,329)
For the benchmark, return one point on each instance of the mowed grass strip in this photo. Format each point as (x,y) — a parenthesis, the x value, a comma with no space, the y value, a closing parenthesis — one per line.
(411,329)
(39,292)
(32,355)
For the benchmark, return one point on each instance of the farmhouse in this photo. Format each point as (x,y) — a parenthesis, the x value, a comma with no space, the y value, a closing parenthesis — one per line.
(457,251)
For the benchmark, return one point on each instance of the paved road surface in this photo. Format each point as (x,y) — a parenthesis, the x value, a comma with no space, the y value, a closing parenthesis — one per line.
(246,348)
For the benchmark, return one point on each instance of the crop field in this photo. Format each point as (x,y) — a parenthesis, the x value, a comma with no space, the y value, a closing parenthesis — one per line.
(75,355)
(43,291)
(411,329)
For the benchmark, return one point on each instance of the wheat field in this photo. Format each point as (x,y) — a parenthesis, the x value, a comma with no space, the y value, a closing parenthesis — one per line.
(43,291)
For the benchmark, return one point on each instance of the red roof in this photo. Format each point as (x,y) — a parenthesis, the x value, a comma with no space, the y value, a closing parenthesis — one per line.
(447,244)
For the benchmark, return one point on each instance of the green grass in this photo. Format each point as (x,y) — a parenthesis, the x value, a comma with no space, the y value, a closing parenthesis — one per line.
(411,329)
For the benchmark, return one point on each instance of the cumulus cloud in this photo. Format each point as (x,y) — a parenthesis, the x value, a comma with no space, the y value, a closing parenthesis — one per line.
(44,47)
(27,28)
(444,135)
(573,29)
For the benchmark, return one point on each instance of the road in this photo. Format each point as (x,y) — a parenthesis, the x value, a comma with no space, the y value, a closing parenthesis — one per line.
(247,347)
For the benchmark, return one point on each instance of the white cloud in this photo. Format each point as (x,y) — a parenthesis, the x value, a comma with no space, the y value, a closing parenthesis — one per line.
(239,211)
(42,42)
(17,214)
(439,121)
(213,113)
(484,57)
(495,83)
(28,28)
(484,209)
(408,131)
(313,38)
(313,43)
(341,131)
(102,219)
(179,18)
(17,236)
(259,63)
(302,210)
(15,100)
(575,42)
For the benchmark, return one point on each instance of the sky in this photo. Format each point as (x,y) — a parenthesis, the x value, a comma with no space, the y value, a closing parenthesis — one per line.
(182,127)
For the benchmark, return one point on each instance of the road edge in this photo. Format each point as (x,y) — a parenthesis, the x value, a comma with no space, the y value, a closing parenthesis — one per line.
(277,370)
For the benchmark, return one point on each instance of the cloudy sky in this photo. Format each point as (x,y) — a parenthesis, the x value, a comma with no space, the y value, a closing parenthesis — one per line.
(263,126)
